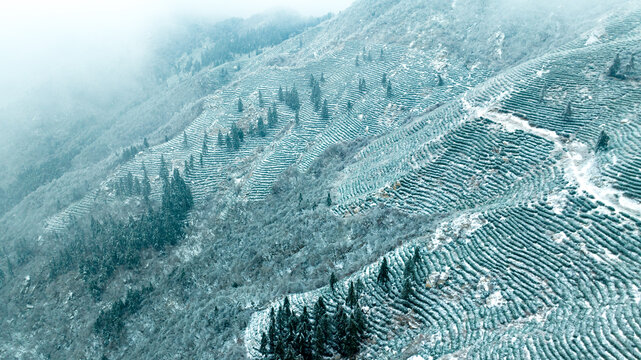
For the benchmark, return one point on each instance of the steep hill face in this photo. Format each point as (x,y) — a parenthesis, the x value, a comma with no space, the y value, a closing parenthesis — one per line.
(485,152)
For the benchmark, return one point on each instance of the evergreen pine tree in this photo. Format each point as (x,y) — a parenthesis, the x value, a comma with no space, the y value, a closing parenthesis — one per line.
(261,101)
(240,105)
(630,66)
(416,258)
(352,298)
(281,97)
(201,159)
(145,142)
(228,142)
(383,272)
(349,105)
(191,161)
(146,185)
(602,143)
(185,142)
(567,113)
(322,78)
(297,118)
(341,323)
(273,337)
(262,132)
(439,80)
(407,288)
(614,69)
(332,281)
(263,349)
(220,138)
(328,201)
(325,111)
(384,79)
(389,89)
(163,172)
(272,116)
(352,341)
(204,149)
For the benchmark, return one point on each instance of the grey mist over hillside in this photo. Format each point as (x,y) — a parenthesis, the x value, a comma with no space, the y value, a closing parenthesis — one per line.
(382,179)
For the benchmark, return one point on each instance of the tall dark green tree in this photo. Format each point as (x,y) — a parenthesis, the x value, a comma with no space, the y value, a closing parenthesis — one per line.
(352,298)
(240,105)
(416,258)
(567,113)
(163,172)
(332,281)
(228,142)
(316,95)
(615,68)
(262,131)
(325,111)
(261,101)
(602,143)
(272,116)
(221,141)
(204,149)
(146,185)
(341,322)
(383,272)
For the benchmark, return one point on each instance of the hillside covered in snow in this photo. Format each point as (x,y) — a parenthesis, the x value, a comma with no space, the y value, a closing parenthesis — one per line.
(402,180)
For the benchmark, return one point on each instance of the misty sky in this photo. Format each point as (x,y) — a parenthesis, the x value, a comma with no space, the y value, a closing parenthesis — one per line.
(45,40)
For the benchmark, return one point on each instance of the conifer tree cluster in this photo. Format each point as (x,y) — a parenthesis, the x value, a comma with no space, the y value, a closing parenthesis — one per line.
(317,335)
(272,116)
(111,321)
(291,99)
(237,136)
(100,248)
(128,186)
(130,152)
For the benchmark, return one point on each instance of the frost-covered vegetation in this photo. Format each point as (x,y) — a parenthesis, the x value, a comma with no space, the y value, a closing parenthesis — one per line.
(402,180)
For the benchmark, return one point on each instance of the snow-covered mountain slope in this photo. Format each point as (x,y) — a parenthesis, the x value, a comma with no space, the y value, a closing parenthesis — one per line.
(499,157)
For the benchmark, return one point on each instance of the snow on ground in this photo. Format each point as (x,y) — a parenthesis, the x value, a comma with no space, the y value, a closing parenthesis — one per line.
(416,357)
(495,299)
(577,162)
